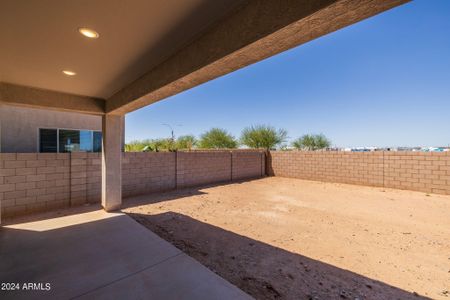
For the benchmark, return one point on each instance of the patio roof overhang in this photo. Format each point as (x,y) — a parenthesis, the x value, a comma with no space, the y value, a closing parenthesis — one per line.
(147,50)
(150,50)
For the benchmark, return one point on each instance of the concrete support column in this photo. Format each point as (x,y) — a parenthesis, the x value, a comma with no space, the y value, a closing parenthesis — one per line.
(1,162)
(112,162)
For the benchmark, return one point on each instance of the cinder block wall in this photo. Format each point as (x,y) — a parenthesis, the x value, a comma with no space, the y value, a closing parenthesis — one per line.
(248,164)
(426,172)
(196,168)
(31,182)
(34,182)
(147,172)
(204,167)
(418,171)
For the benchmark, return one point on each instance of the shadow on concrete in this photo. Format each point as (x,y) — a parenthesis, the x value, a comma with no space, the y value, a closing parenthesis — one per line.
(262,270)
(97,255)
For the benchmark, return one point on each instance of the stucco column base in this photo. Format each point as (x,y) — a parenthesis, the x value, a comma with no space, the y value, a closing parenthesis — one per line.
(112,162)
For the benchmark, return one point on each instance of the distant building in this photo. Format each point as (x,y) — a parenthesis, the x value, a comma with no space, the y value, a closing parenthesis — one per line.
(414,149)
(360,149)
(434,149)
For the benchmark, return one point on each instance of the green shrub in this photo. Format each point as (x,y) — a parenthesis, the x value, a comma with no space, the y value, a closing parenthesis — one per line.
(312,142)
(217,138)
(263,136)
(186,142)
(134,146)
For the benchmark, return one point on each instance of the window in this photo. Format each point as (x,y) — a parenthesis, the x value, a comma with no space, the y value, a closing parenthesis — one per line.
(69,140)
(48,140)
(97,141)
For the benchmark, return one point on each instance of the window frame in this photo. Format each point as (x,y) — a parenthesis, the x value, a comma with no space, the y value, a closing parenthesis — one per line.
(38,144)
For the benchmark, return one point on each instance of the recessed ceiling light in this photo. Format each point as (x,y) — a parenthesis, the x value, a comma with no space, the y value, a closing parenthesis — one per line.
(69,73)
(89,33)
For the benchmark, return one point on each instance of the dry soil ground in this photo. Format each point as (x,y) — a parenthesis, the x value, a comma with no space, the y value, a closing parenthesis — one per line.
(296,239)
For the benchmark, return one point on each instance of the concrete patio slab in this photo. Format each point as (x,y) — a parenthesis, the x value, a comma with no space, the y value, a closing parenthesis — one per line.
(101,255)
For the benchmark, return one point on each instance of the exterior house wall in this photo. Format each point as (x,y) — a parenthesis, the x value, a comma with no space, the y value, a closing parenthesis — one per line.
(19,126)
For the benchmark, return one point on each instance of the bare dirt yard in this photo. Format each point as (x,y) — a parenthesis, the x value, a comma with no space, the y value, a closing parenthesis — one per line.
(279,238)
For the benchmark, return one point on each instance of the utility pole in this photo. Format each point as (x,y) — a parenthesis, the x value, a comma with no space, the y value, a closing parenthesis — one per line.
(172,134)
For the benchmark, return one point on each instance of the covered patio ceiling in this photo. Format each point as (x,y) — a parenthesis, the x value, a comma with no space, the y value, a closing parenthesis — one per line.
(148,50)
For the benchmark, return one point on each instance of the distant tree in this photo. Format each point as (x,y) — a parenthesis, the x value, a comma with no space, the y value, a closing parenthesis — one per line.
(150,145)
(162,145)
(322,142)
(305,142)
(186,142)
(312,142)
(217,138)
(134,146)
(263,136)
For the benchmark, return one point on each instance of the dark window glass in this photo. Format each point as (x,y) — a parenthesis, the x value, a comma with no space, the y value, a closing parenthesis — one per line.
(97,141)
(69,140)
(48,140)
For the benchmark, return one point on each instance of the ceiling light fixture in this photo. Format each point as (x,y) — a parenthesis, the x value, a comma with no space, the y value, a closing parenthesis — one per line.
(89,33)
(69,73)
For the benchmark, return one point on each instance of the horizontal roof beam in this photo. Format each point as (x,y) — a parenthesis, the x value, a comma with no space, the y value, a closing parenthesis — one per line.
(255,31)
(39,98)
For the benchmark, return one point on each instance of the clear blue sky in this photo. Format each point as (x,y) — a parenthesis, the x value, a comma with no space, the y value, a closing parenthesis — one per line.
(384,81)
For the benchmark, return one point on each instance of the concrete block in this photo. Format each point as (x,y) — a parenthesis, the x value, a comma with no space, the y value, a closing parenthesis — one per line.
(46,156)
(7,188)
(14,164)
(7,156)
(36,192)
(26,156)
(15,179)
(35,178)
(45,170)
(14,195)
(7,172)
(26,171)
(25,186)
(35,163)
